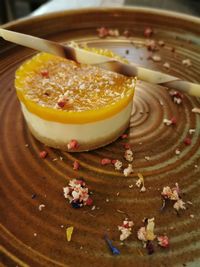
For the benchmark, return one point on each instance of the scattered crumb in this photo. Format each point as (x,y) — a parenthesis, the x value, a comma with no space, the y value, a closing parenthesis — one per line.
(126,33)
(128,155)
(156,58)
(130,186)
(151,45)
(106,161)
(26,145)
(161,43)
(166,65)
(196,110)
(147,158)
(173,194)
(148,32)
(127,146)
(125,229)
(192,216)
(177,151)
(105,32)
(124,136)
(146,233)
(118,165)
(35,234)
(107,200)
(187,62)
(140,182)
(187,141)
(93,208)
(77,193)
(43,154)
(191,131)
(76,165)
(172,121)
(41,207)
(73,144)
(177,97)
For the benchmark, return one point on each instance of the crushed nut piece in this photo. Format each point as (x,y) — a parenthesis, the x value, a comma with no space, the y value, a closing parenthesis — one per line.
(76,165)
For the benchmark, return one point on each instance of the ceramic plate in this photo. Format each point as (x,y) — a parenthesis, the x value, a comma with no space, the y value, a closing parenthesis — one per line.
(30,237)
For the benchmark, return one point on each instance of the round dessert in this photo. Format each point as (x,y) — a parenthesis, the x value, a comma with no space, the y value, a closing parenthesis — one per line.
(71,106)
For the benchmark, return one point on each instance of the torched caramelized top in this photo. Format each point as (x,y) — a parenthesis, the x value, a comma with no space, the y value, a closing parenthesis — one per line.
(57,83)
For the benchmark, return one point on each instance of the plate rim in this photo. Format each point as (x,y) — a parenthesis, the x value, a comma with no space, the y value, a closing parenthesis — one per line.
(152,11)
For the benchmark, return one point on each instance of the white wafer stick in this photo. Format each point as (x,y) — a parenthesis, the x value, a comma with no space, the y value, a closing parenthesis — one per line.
(87,57)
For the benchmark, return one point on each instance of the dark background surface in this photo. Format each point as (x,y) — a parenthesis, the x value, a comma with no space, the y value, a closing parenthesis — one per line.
(13,9)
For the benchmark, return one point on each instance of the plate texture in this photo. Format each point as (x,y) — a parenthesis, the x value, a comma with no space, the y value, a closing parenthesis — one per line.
(29,237)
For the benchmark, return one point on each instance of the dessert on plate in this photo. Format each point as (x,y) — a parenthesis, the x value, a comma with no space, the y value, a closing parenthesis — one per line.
(71,106)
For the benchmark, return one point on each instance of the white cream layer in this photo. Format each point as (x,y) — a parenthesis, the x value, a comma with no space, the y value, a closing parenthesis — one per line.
(88,132)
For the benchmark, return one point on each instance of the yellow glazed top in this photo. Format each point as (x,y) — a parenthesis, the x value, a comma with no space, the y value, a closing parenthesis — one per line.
(60,90)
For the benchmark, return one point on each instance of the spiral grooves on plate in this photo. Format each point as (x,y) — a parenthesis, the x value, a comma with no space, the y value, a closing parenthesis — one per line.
(24,174)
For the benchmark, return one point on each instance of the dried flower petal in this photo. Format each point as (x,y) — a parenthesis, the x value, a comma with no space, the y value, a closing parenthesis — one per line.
(43,154)
(76,165)
(163,241)
(106,161)
(124,136)
(187,141)
(113,249)
(73,144)
(69,232)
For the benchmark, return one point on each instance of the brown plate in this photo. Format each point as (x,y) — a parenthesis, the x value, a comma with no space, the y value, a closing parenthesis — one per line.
(30,237)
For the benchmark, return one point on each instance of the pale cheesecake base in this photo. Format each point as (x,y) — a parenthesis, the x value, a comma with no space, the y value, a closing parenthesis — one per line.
(89,135)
